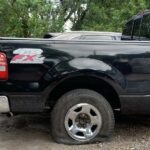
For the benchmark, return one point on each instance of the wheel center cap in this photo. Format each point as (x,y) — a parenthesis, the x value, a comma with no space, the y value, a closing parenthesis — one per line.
(83,120)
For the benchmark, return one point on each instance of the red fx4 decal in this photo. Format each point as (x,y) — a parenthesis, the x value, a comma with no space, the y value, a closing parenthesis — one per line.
(23,57)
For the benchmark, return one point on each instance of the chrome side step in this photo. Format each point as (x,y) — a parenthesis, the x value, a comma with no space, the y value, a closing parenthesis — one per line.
(4,104)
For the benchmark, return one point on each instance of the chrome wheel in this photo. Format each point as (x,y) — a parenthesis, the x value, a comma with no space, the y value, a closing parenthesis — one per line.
(83,122)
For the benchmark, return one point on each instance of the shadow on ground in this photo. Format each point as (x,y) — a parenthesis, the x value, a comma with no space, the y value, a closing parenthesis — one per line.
(33,132)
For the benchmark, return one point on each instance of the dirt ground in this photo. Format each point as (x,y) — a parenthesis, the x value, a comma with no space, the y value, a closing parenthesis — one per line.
(32,133)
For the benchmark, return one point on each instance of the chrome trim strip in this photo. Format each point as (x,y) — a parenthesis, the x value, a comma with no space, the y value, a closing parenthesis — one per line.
(134,95)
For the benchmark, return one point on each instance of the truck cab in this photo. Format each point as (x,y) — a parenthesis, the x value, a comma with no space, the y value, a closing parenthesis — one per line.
(138,27)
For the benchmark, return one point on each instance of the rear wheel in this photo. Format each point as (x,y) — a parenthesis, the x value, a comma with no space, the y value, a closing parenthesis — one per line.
(81,116)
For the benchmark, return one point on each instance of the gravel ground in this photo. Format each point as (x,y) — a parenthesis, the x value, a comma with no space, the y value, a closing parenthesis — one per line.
(32,133)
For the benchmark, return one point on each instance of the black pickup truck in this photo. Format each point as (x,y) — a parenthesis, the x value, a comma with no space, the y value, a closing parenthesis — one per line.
(80,84)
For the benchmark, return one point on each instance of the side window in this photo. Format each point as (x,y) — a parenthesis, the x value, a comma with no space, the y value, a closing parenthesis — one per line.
(128,28)
(145,29)
(136,29)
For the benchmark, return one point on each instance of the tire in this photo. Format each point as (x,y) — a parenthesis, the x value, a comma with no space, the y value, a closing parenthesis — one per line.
(87,105)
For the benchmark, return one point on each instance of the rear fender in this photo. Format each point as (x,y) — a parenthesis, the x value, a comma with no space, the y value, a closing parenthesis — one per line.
(88,67)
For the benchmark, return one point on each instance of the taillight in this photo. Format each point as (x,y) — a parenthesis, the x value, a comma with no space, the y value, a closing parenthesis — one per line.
(3,67)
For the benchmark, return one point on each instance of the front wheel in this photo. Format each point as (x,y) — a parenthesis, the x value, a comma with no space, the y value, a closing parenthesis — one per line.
(81,116)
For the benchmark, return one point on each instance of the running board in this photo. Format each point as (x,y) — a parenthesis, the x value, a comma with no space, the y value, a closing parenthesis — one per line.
(4,104)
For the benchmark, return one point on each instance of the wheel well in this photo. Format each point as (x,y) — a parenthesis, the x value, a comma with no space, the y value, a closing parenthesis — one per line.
(84,82)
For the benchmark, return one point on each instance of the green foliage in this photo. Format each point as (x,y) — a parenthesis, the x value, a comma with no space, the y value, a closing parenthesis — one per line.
(111,16)
(29,18)
(33,18)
